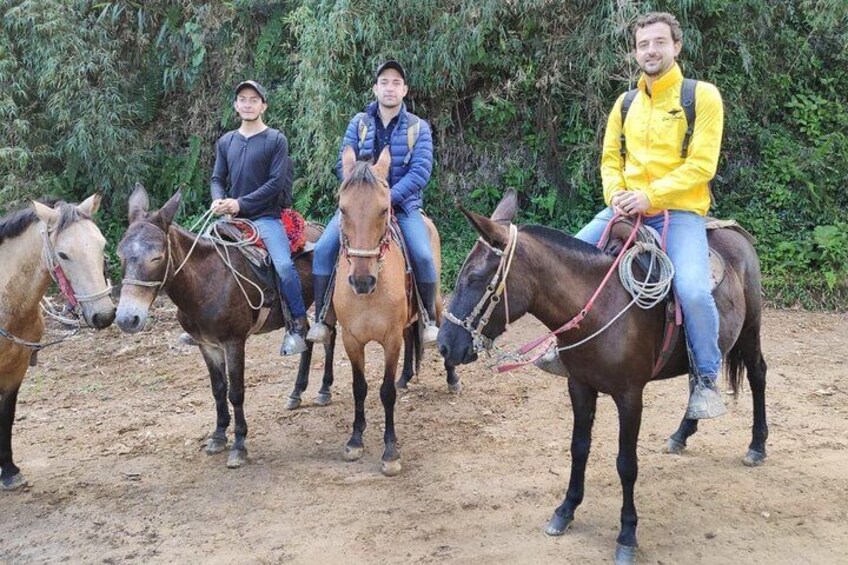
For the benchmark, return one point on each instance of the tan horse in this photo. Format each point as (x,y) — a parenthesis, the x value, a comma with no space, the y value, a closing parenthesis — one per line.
(374,305)
(31,242)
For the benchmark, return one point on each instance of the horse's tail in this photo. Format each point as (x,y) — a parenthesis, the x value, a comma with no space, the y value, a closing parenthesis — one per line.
(734,366)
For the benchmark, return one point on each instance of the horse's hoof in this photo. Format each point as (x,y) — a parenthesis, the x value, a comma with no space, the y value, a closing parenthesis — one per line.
(324,398)
(352,453)
(237,458)
(215,445)
(625,554)
(14,482)
(673,447)
(754,458)
(402,386)
(391,468)
(455,388)
(293,403)
(557,525)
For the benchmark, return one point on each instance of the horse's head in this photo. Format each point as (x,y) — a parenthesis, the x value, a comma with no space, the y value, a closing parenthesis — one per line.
(74,249)
(145,258)
(365,206)
(476,316)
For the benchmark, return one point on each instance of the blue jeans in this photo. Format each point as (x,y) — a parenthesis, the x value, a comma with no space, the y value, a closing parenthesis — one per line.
(276,241)
(414,234)
(687,248)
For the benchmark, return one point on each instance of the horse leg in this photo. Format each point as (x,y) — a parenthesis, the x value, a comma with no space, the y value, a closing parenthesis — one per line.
(583,402)
(677,442)
(629,419)
(325,395)
(356,352)
(11,477)
(302,380)
(215,363)
(388,395)
(453,379)
(235,371)
(408,357)
(756,369)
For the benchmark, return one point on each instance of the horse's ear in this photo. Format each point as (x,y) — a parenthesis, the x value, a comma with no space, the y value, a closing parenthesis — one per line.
(381,168)
(495,234)
(505,211)
(139,202)
(45,213)
(348,160)
(90,205)
(168,212)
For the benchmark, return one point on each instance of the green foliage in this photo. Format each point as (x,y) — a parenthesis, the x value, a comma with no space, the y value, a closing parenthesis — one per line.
(99,95)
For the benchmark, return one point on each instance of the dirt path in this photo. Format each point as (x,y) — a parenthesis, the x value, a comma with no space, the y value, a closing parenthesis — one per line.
(110,430)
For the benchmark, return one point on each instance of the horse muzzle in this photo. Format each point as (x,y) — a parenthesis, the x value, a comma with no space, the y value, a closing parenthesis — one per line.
(362,284)
(455,345)
(101,318)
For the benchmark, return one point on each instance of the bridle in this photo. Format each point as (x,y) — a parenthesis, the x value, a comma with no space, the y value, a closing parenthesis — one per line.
(58,275)
(494,290)
(168,265)
(379,250)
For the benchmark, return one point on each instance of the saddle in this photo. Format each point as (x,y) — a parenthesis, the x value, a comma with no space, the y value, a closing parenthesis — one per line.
(618,235)
(259,259)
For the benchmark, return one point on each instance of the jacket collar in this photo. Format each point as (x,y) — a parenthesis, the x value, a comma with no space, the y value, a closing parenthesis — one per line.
(373,108)
(672,77)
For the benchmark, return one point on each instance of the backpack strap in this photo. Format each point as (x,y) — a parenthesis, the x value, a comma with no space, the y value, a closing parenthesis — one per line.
(413,129)
(625,107)
(687,101)
(362,128)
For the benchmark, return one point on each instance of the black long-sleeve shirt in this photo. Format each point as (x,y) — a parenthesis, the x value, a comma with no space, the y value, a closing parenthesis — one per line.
(251,170)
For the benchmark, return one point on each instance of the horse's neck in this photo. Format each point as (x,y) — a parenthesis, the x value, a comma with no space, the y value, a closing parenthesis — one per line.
(191,285)
(563,279)
(24,278)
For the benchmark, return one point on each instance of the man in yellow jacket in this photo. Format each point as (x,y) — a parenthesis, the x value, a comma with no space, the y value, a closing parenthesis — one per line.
(655,173)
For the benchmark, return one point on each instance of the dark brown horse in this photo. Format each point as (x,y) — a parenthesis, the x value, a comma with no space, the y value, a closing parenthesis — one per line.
(211,305)
(552,276)
(33,242)
(372,297)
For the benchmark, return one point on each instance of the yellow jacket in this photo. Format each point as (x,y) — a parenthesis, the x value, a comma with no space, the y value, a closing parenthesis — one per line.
(654,130)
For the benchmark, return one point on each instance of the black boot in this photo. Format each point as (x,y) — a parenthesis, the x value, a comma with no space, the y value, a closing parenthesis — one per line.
(428,298)
(319,332)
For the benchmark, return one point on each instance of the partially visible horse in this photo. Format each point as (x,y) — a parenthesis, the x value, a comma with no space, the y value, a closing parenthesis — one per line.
(373,294)
(34,242)
(211,306)
(551,277)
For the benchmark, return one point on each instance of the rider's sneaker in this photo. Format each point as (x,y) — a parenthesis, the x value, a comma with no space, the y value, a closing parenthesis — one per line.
(704,399)
(295,340)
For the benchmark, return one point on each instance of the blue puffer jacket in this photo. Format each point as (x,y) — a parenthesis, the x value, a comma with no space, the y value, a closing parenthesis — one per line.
(406,182)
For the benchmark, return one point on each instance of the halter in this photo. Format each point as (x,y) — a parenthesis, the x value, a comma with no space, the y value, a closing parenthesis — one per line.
(59,277)
(492,295)
(157,284)
(379,250)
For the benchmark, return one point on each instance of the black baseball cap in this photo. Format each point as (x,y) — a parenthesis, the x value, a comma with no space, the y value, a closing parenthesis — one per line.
(255,86)
(390,64)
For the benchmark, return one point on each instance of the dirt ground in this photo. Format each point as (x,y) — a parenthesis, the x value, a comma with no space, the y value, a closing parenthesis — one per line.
(110,430)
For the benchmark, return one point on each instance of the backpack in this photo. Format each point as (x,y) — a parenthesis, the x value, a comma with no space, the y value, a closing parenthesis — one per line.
(413,128)
(687,100)
(285,199)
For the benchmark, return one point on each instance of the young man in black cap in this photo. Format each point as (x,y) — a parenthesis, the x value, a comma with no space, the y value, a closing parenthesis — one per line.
(247,182)
(386,123)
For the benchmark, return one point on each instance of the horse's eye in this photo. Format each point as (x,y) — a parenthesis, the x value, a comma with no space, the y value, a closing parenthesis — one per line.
(341,212)
(156,259)
(63,256)
(383,212)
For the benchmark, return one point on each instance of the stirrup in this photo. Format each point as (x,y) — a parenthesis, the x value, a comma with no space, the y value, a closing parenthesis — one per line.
(551,363)
(319,333)
(187,339)
(704,400)
(293,344)
(430,335)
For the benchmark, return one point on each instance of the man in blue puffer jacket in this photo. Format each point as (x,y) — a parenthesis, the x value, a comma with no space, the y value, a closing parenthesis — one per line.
(386,123)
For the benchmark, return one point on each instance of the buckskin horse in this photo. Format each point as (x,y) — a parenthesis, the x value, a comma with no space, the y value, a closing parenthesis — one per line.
(158,254)
(35,244)
(550,275)
(376,302)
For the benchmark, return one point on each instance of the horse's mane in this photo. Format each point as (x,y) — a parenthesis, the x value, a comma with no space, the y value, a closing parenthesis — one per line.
(361,174)
(16,223)
(561,239)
